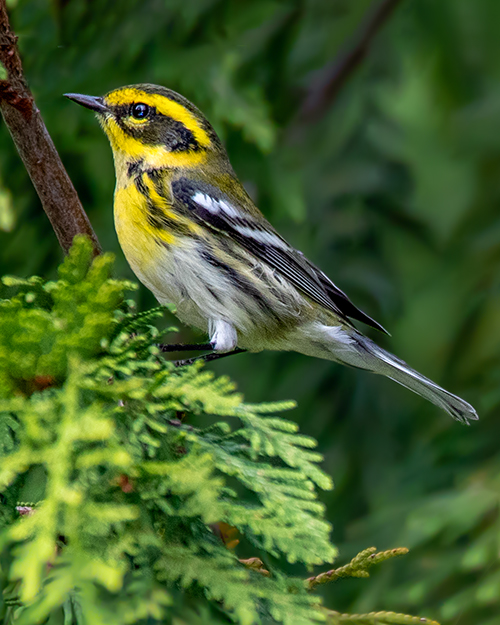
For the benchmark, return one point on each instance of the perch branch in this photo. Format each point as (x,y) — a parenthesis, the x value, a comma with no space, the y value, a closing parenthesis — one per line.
(208,357)
(325,88)
(185,347)
(36,149)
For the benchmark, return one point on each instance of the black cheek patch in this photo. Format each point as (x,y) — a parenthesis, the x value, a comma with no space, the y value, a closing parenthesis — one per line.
(180,138)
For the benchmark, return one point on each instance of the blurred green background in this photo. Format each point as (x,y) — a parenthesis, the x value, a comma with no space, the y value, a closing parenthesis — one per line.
(394,191)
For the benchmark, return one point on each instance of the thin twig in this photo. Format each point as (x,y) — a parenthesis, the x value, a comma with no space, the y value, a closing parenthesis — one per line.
(357,567)
(185,347)
(34,144)
(325,88)
(372,618)
(208,357)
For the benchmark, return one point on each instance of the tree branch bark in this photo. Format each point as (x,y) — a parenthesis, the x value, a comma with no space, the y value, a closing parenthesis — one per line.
(325,88)
(34,144)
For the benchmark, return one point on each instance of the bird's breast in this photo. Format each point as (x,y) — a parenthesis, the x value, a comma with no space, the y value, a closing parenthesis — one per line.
(145,247)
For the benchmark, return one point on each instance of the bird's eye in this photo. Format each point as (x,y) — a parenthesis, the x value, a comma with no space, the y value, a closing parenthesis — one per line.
(139,111)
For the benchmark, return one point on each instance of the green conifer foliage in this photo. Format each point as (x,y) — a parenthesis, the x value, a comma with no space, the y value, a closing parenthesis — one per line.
(115,508)
(124,492)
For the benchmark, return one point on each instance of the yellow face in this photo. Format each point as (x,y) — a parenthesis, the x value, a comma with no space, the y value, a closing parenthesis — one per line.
(152,124)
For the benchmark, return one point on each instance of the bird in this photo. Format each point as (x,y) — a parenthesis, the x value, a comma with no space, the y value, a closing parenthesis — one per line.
(194,237)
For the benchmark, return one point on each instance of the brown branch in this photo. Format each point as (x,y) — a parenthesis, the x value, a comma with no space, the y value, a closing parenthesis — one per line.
(34,144)
(325,88)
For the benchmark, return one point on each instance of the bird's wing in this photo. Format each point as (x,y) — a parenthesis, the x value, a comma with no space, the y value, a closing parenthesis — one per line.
(216,211)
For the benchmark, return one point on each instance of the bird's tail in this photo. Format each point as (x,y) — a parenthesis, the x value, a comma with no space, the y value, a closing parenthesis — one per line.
(361,352)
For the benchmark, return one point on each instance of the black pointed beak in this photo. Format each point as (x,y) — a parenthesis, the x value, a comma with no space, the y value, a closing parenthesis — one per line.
(94,103)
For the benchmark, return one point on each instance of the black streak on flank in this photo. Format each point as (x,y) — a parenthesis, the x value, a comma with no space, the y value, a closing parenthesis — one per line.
(214,294)
(162,243)
(155,215)
(239,281)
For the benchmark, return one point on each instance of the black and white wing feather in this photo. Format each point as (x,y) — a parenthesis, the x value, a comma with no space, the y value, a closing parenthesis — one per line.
(210,206)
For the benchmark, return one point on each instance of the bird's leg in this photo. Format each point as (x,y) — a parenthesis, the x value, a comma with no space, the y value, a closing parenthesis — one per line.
(208,357)
(223,343)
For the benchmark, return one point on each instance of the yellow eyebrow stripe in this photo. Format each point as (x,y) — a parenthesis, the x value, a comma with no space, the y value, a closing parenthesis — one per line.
(163,105)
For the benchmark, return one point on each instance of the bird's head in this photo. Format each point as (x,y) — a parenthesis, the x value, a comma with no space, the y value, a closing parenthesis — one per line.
(152,125)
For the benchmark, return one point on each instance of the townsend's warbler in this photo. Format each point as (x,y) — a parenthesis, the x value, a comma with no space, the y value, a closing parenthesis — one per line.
(193,236)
